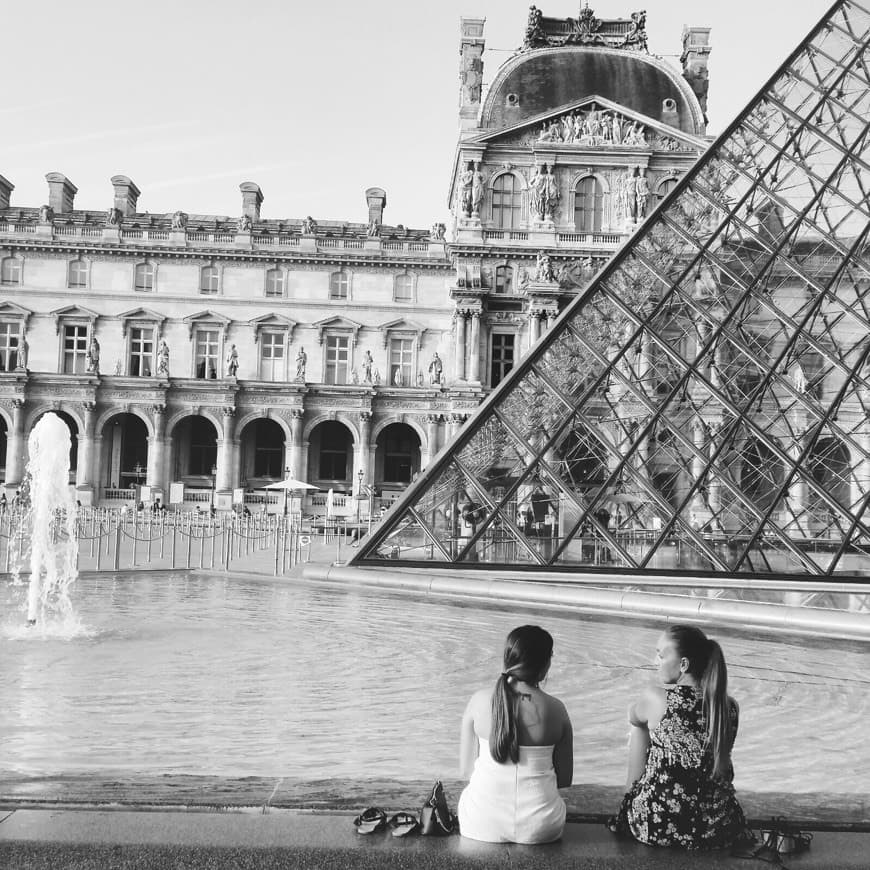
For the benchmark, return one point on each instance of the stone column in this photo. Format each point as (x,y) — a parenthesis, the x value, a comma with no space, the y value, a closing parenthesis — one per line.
(534,326)
(85,469)
(456,421)
(15,447)
(714,485)
(224,482)
(432,421)
(157,448)
(475,347)
(551,317)
(460,345)
(699,437)
(295,453)
(363,457)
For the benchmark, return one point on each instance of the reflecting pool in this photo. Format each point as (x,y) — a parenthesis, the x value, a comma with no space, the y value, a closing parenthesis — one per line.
(175,674)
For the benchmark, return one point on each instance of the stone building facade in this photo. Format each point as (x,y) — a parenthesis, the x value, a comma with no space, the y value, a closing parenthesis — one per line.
(226,353)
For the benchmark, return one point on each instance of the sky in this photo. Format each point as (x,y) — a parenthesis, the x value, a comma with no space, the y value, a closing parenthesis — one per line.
(313,101)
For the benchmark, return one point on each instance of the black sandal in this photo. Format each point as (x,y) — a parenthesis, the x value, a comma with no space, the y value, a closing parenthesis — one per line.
(403,824)
(370,820)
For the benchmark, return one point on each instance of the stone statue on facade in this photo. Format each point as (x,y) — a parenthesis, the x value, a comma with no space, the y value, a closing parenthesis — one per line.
(544,269)
(367,364)
(354,376)
(114,217)
(374,228)
(537,192)
(551,194)
(46,214)
(22,352)
(163,359)
(436,367)
(476,190)
(534,34)
(437,232)
(636,36)
(798,378)
(398,380)
(232,361)
(641,193)
(92,357)
(376,376)
(179,220)
(245,223)
(466,182)
(301,359)
(309,226)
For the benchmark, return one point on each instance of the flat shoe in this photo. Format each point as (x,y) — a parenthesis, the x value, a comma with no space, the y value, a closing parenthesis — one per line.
(371,820)
(403,824)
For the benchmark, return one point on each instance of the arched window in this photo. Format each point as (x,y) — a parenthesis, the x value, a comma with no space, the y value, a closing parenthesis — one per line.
(504,279)
(506,201)
(274,282)
(339,285)
(209,279)
(588,205)
(78,274)
(144,281)
(10,271)
(665,188)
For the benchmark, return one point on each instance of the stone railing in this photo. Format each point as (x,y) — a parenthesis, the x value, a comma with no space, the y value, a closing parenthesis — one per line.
(206,238)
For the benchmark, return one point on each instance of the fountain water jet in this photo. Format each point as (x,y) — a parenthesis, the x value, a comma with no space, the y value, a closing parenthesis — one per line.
(52,518)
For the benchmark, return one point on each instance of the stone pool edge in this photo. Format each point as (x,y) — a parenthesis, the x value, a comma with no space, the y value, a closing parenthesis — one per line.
(594,596)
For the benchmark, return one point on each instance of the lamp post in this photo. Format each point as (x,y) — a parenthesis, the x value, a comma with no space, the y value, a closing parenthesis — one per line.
(138,470)
(286,475)
(213,487)
(359,496)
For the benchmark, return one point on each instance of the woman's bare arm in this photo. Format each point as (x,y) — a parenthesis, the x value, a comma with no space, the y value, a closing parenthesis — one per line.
(468,745)
(563,754)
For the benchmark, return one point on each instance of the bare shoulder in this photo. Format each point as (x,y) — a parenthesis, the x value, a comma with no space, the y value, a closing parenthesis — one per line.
(649,706)
(555,707)
(480,700)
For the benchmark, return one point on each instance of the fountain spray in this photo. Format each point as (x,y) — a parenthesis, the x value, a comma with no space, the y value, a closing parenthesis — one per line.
(52,514)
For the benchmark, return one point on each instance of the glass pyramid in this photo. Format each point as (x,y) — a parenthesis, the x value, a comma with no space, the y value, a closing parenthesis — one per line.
(703,406)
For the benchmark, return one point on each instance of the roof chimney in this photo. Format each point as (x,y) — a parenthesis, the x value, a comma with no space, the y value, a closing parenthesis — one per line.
(6,188)
(252,196)
(471,45)
(61,192)
(377,200)
(695,57)
(126,195)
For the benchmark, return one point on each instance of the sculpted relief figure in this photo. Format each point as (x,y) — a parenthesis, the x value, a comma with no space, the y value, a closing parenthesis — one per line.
(641,193)
(163,359)
(245,223)
(179,220)
(92,357)
(113,217)
(301,359)
(537,192)
(232,361)
(551,194)
(373,230)
(309,226)
(544,269)
(23,351)
(367,364)
(466,183)
(436,367)
(476,190)
(46,214)
(437,232)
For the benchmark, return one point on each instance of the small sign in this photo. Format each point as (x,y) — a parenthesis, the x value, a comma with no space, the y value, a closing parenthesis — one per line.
(238,496)
(176,493)
(145,493)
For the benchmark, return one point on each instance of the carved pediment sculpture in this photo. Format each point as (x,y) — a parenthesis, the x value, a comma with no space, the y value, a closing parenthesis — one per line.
(594,128)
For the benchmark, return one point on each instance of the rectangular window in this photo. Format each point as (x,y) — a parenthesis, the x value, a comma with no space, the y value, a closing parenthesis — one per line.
(404,288)
(274,282)
(504,279)
(141,352)
(401,359)
(78,274)
(272,356)
(9,333)
(144,277)
(502,357)
(75,349)
(206,353)
(337,359)
(339,283)
(10,271)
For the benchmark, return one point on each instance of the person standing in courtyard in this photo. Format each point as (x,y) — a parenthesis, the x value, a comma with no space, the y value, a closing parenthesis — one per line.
(517,747)
(679,771)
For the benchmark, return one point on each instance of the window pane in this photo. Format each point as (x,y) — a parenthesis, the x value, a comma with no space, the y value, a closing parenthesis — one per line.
(338,285)
(145,277)
(209,279)
(10,271)
(8,346)
(337,359)
(78,274)
(588,205)
(401,359)
(206,353)
(404,288)
(274,282)
(141,352)
(502,357)
(506,202)
(75,344)
(504,277)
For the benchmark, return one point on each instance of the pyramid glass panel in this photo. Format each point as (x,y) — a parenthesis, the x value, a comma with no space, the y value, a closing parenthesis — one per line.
(703,404)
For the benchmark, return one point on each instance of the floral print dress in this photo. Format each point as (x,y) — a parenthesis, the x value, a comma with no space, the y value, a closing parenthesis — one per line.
(678,801)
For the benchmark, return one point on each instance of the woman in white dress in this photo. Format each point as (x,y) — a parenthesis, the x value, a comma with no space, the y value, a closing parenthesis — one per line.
(517,747)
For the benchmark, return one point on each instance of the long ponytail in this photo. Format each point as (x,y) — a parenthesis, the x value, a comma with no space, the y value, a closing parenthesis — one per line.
(527,653)
(714,686)
(707,665)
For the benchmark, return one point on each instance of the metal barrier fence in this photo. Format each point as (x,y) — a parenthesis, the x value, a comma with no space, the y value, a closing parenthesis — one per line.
(110,539)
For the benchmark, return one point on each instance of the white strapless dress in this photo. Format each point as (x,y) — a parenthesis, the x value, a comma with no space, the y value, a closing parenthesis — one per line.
(512,803)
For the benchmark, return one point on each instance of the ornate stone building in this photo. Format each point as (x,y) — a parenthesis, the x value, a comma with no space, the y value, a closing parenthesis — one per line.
(226,353)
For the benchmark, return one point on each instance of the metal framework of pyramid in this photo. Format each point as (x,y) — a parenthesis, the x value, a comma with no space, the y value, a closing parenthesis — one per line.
(703,405)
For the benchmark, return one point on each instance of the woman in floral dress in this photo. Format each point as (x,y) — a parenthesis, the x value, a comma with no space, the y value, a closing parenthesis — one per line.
(680,792)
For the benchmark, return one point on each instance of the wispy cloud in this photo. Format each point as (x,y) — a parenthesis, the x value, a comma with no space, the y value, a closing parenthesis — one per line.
(239,172)
(97,135)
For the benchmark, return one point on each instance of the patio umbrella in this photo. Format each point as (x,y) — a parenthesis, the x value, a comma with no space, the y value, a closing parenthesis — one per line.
(329,506)
(290,483)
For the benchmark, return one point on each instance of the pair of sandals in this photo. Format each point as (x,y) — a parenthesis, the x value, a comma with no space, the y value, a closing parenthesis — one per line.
(374,819)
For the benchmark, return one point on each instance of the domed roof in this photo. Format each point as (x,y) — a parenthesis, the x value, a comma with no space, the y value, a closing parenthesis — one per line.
(538,81)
